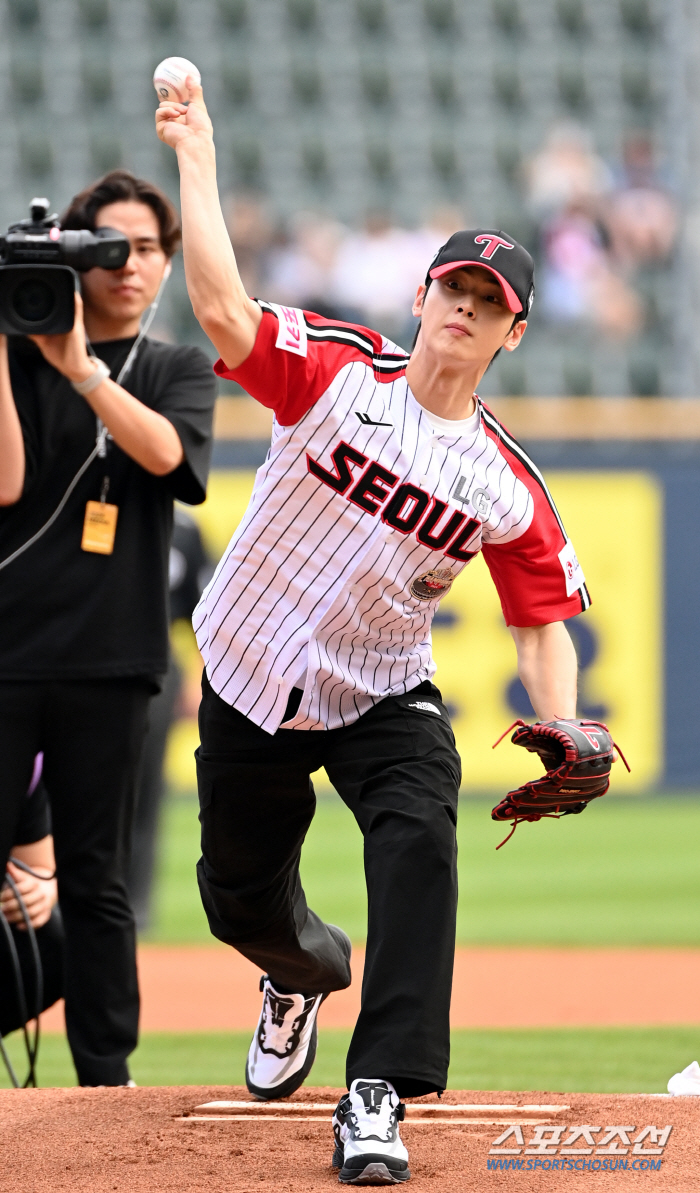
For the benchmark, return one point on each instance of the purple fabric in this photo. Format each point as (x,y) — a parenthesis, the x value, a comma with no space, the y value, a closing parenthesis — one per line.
(36,773)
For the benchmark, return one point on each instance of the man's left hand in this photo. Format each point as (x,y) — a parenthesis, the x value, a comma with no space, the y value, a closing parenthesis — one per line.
(68,353)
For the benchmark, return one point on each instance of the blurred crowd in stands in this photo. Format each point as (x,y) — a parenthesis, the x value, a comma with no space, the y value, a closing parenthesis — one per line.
(600,233)
(366,276)
(603,231)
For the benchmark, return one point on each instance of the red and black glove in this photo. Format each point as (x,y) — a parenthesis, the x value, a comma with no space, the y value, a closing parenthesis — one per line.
(577,757)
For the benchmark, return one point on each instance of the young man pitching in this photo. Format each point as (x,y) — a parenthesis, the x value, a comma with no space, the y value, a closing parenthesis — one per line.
(385,477)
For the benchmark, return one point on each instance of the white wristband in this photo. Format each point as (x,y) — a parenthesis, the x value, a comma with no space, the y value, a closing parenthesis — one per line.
(100,374)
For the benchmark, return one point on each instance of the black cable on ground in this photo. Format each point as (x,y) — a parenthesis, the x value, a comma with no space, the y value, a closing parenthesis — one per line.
(31,1045)
(19,990)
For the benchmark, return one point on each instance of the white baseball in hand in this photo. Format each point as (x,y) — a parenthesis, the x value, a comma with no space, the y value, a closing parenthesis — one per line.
(170,76)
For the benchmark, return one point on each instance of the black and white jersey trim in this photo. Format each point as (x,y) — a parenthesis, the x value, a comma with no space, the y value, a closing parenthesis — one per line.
(513,446)
(525,460)
(332,333)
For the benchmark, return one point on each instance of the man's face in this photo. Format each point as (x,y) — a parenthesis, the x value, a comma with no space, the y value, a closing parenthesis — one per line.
(464,317)
(125,293)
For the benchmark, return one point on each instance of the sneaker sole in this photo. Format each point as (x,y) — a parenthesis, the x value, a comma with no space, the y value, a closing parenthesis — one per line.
(292,1083)
(374,1173)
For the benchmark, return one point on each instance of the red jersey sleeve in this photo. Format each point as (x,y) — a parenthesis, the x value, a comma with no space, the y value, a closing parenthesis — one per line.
(296,356)
(537,575)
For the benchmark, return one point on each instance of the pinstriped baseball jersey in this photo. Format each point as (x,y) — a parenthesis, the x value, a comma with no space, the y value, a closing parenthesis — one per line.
(361,518)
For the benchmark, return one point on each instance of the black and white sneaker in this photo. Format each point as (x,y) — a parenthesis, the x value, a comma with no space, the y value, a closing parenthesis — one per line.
(283,1048)
(368,1148)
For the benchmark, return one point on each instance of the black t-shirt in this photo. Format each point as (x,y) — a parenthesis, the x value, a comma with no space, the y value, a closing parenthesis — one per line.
(35,818)
(190,568)
(66,613)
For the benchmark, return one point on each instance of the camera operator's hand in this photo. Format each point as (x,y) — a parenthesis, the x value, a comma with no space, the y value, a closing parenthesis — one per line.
(68,353)
(176,123)
(39,895)
(144,434)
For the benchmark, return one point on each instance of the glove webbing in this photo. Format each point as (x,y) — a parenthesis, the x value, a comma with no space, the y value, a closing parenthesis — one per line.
(533,817)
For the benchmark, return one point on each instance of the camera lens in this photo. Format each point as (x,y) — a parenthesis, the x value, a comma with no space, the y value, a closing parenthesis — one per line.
(33,301)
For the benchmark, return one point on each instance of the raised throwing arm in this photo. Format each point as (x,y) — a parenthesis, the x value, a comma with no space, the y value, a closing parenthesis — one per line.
(228,316)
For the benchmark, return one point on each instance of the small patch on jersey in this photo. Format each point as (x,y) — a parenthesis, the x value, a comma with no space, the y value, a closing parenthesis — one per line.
(425,707)
(433,584)
(291,333)
(573,572)
(370,422)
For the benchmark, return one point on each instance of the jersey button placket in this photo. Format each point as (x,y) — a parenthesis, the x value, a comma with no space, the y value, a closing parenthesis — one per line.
(424,458)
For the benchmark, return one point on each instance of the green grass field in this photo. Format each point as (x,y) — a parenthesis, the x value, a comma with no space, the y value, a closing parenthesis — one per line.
(625,872)
(595,1060)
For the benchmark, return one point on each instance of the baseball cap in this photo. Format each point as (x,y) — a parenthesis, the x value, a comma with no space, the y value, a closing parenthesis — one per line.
(500,254)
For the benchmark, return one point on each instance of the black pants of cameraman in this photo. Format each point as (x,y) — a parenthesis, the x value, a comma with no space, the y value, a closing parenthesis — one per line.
(49,939)
(91,733)
(149,798)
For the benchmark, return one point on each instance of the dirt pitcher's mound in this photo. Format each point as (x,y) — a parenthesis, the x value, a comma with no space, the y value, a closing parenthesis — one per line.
(156,1140)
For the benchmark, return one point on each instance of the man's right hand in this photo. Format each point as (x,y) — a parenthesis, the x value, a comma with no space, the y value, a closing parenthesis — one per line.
(39,896)
(177,123)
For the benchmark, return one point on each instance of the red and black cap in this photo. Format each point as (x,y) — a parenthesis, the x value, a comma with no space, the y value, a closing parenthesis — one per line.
(500,254)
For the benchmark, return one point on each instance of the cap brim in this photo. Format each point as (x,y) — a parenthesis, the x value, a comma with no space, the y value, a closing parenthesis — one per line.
(512,301)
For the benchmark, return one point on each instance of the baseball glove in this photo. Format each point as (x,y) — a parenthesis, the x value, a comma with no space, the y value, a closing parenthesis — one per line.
(577,757)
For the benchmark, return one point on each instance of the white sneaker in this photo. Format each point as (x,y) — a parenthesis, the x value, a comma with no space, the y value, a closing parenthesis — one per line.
(368,1149)
(130,1084)
(283,1048)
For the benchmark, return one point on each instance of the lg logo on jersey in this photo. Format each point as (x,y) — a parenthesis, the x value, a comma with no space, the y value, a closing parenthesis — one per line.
(404,507)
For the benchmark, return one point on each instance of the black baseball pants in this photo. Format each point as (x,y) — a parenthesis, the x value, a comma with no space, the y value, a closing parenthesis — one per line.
(91,733)
(398,771)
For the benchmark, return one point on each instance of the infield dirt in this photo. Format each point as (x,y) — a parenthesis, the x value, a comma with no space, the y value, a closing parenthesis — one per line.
(148,1140)
(213,988)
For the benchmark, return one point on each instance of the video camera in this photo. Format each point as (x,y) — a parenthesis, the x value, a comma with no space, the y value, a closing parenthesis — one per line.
(37,270)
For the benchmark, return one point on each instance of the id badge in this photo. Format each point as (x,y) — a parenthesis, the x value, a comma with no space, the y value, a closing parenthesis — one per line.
(100,527)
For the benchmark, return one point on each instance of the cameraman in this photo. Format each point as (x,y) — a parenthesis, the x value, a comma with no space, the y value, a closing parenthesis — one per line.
(83,611)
